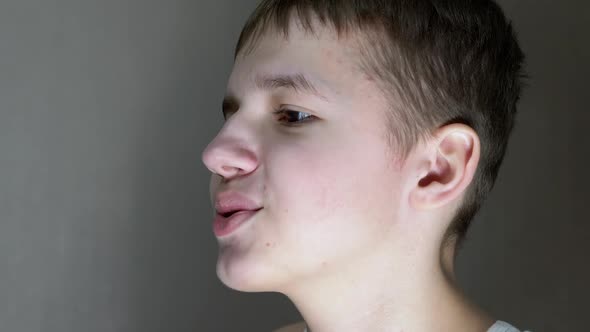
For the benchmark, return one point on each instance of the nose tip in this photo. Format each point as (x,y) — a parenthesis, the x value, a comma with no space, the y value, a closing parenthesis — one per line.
(206,160)
(229,160)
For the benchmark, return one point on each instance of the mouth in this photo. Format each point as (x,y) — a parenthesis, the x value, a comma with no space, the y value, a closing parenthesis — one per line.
(226,223)
(230,213)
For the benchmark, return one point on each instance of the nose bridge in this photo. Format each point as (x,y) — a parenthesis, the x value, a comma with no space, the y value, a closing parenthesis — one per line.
(232,151)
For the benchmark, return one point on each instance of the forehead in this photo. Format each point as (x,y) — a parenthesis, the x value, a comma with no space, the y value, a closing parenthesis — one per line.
(322,57)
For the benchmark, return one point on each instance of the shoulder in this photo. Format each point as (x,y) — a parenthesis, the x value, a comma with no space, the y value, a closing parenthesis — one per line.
(502,326)
(296,327)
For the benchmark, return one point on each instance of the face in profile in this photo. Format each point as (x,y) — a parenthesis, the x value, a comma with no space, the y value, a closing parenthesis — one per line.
(304,137)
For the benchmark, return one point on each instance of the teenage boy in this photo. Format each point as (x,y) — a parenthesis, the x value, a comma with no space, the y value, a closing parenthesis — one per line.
(360,139)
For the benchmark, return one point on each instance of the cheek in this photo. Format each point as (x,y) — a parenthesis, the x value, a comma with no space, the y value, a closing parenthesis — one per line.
(316,185)
(327,200)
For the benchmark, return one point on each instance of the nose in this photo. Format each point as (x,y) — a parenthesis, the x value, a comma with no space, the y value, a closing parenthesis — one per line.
(229,156)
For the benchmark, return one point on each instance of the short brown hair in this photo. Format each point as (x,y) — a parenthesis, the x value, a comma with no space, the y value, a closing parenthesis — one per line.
(437,61)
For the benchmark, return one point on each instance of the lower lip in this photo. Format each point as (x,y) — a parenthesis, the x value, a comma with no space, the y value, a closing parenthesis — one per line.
(223,226)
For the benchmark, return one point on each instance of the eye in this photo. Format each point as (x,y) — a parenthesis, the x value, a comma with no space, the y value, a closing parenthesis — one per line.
(293,118)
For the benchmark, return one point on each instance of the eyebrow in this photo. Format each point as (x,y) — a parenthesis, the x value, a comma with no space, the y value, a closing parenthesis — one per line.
(297,82)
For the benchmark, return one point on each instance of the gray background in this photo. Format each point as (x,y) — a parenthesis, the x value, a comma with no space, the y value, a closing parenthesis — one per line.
(105,108)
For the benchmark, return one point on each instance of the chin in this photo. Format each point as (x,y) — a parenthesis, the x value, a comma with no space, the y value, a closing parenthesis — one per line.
(244,276)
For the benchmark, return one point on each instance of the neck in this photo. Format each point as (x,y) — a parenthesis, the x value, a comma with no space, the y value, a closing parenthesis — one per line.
(376,293)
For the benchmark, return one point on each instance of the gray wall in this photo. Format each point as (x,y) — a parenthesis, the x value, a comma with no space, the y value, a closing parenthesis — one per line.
(527,257)
(105,107)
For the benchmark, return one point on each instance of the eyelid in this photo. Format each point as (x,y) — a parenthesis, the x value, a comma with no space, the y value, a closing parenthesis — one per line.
(279,110)
(285,109)
(292,108)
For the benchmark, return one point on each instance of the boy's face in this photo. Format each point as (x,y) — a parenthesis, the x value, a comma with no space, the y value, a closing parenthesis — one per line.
(330,194)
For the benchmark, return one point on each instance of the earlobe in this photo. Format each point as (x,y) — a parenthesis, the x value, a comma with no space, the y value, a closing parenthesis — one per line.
(452,164)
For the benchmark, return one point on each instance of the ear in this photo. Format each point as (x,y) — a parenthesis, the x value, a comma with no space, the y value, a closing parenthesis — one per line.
(449,167)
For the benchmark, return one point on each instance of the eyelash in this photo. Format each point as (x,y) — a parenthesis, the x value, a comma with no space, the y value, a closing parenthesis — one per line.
(297,123)
(283,111)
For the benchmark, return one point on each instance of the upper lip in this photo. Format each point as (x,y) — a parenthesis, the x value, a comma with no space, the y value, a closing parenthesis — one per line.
(231,201)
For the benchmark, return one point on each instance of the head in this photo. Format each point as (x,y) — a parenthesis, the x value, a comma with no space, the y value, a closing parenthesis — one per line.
(361,127)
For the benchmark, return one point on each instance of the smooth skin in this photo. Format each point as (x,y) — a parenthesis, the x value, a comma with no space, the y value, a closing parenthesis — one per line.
(352,237)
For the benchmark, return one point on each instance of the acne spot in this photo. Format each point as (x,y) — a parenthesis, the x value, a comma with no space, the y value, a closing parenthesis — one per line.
(324,264)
